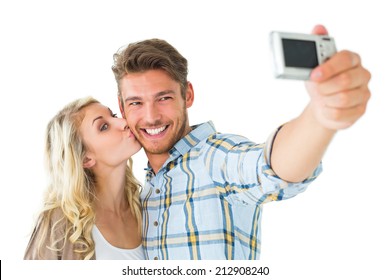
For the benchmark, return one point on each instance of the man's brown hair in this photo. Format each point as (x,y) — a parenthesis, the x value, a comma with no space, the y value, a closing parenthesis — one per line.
(152,54)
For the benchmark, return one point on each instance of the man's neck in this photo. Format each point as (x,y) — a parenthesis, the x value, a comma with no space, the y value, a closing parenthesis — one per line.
(156,161)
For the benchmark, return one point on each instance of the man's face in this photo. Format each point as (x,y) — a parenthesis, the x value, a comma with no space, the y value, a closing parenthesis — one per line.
(155,109)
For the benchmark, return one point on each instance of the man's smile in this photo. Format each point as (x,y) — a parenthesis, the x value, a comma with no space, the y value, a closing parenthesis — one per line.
(154,131)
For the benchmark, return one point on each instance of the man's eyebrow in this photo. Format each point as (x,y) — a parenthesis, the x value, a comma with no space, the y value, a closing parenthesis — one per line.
(132,98)
(161,93)
(156,95)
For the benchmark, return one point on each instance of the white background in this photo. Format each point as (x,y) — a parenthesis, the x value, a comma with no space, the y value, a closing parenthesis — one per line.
(52,52)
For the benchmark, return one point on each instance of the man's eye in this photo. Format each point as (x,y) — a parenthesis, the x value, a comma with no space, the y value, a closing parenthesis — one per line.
(104,127)
(134,103)
(165,98)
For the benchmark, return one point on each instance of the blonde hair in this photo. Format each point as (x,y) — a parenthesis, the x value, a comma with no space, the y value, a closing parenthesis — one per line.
(71,187)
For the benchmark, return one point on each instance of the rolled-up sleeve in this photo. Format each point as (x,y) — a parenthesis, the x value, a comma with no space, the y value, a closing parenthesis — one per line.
(269,177)
(248,177)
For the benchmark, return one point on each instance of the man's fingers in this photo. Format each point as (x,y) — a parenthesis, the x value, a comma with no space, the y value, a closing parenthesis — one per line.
(348,80)
(319,30)
(347,99)
(338,63)
(345,117)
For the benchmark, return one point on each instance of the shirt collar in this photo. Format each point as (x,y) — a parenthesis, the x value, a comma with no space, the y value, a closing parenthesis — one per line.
(197,134)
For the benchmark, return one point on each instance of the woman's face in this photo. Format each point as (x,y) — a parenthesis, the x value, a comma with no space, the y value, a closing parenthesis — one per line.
(108,139)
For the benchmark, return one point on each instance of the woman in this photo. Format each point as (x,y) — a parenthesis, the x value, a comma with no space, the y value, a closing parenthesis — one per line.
(91,207)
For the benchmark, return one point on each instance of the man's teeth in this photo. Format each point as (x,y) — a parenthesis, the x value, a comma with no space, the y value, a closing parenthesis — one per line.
(155,131)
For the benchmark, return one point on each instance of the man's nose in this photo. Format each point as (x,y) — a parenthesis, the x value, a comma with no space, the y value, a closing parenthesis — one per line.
(151,114)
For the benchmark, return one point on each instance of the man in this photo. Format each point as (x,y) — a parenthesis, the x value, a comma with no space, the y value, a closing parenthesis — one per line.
(204,190)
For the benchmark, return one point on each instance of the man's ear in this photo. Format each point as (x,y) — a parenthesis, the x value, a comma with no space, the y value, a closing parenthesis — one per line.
(189,95)
(120,103)
(88,162)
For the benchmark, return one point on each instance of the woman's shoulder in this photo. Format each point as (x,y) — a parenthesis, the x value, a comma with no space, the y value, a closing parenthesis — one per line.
(50,238)
(53,217)
(57,215)
(50,227)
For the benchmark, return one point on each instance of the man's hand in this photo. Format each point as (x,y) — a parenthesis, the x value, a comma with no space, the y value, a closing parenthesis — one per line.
(338,89)
(339,94)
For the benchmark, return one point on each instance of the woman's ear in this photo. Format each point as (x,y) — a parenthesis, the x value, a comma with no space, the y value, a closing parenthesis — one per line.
(88,162)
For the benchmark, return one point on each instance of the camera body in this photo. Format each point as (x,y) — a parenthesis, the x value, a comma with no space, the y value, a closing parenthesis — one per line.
(295,55)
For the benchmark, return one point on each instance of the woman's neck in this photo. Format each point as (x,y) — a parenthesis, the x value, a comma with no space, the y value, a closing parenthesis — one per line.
(110,190)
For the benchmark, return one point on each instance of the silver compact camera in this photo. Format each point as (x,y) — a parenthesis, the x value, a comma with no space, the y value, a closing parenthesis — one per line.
(295,55)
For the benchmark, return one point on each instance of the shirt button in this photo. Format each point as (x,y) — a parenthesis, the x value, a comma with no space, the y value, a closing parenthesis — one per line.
(157,191)
(155,258)
(155,223)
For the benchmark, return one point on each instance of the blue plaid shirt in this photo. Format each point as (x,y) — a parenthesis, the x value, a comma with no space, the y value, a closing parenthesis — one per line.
(206,201)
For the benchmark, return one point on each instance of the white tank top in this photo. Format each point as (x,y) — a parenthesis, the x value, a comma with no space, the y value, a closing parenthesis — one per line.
(105,251)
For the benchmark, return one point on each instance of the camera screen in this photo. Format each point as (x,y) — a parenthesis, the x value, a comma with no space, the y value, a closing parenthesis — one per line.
(300,53)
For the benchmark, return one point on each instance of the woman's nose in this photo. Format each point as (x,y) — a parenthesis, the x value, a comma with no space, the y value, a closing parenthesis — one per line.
(122,124)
